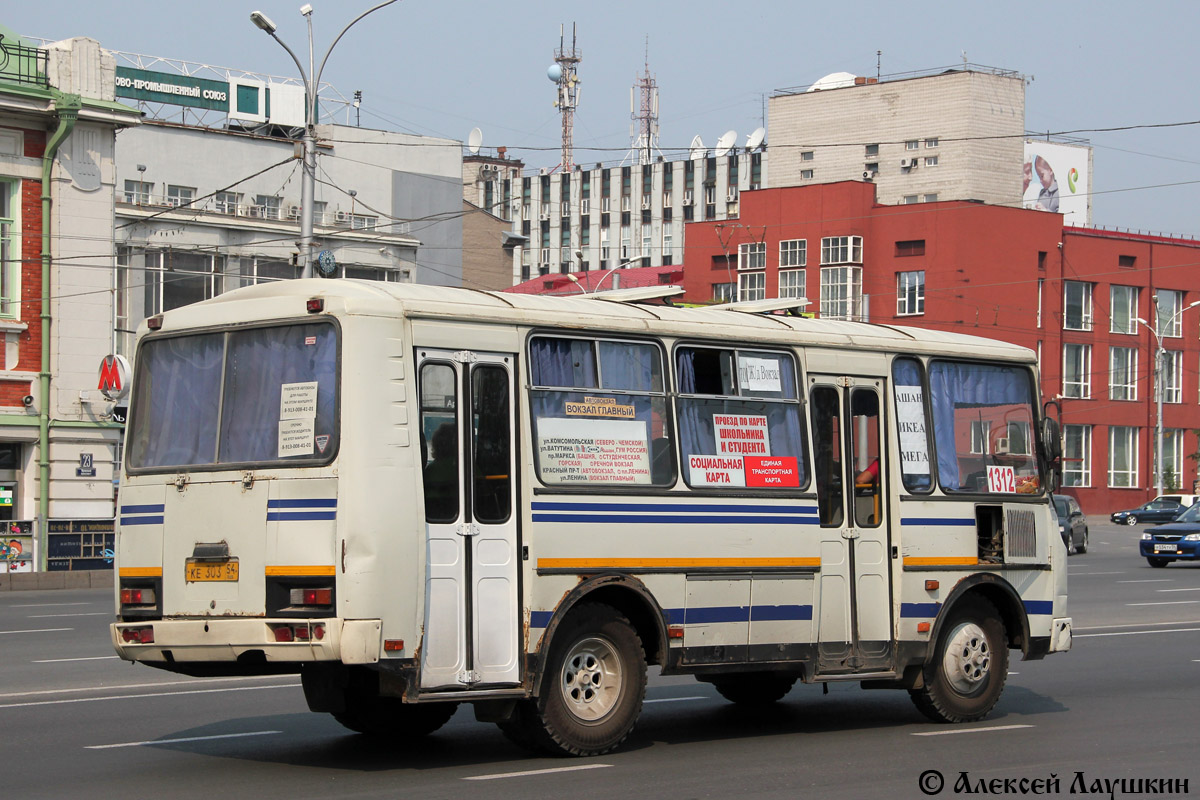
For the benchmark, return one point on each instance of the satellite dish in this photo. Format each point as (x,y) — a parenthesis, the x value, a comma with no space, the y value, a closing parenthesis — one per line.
(725,142)
(697,150)
(756,138)
(554,73)
(834,80)
(474,140)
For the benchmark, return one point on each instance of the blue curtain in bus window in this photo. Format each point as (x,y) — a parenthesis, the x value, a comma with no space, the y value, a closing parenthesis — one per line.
(906,372)
(562,362)
(174,420)
(632,367)
(954,385)
(260,364)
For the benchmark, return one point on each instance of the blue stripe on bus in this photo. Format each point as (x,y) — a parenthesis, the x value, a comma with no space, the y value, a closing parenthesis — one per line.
(314,502)
(662,508)
(714,614)
(145,509)
(659,518)
(936,521)
(141,520)
(924,610)
(780,613)
(298,516)
(1039,606)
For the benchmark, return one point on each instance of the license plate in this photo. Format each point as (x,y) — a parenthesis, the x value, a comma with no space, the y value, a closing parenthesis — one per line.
(1165,548)
(195,571)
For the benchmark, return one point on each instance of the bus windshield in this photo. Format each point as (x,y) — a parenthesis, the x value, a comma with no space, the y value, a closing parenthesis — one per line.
(250,396)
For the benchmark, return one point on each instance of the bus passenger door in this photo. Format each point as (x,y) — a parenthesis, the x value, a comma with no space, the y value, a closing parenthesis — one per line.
(472,618)
(849,468)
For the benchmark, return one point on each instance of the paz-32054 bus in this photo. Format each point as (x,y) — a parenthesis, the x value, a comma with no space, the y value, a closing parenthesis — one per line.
(417,497)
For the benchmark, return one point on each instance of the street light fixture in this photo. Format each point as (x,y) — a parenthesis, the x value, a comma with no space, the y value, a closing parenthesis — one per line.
(1159,353)
(312,82)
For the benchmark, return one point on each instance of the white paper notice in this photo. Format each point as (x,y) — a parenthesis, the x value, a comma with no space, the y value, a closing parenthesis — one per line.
(759,374)
(738,434)
(716,471)
(298,400)
(910,419)
(296,437)
(593,451)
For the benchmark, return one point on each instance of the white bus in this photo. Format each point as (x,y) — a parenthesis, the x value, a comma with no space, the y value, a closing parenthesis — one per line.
(419,496)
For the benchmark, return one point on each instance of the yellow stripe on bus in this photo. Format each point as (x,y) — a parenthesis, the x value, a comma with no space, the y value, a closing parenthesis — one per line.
(667,563)
(313,571)
(941,561)
(141,572)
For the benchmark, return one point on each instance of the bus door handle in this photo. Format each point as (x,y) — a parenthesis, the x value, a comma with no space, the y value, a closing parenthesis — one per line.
(467,529)
(850,533)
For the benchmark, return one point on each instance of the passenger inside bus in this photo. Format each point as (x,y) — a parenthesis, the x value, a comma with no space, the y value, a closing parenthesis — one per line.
(441,476)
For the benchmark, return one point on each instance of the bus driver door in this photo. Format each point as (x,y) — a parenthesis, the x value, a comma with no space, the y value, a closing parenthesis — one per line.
(855,626)
(472,618)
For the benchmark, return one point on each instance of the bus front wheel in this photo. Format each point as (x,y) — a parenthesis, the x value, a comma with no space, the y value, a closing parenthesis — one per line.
(592,690)
(964,681)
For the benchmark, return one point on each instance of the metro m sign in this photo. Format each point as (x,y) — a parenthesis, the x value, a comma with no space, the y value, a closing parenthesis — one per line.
(114,377)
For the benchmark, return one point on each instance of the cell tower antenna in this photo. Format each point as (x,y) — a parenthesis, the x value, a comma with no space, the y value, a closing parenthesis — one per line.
(644,129)
(563,73)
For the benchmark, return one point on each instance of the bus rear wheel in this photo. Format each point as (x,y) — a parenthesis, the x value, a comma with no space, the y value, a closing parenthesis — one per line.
(964,681)
(760,689)
(592,689)
(389,718)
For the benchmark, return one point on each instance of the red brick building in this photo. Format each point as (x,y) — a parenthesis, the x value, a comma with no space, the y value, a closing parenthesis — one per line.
(1071,294)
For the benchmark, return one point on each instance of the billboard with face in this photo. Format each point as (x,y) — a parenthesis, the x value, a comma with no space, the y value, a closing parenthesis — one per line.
(1057,177)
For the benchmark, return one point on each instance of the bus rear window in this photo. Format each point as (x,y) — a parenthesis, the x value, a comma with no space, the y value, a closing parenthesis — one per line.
(251,396)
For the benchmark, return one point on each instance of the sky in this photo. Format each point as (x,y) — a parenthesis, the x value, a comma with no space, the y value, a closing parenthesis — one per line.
(441,69)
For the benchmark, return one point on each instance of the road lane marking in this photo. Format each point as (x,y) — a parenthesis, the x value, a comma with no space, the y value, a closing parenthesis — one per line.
(78,614)
(177,741)
(1135,633)
(674,699)
(497,775)
(973,730)
(1139,625)
(1167,603)
(1077,574)
(48,605)
(39,630)
(154,685)
(1190,589)
(61,660)
(1151,580)
(148,694)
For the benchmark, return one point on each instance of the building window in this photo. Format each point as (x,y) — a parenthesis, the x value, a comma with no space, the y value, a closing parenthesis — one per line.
(791,283)
(362,222)
(752,286)
(625,243)
(981,430)
(933,142)
(912,144)
(1170,306)
(1123,300)
(1077,371)
(806,174)
(10,249)
(1172,473)
(841,250)
(227,202)
(910,199)
(1122,373)
(266,206)
(175,278)
(722,292)
(138,192)
(752,255)
(647,243)
(180,195)
(1122,456)
(912,247)
(667,242)
(793,253)
(841,292)
(930,198)
(931,161)
(1127,261)
(1172,362)
(872,151)
(1077,455)
(807,155)
(1077,306)
(910,293)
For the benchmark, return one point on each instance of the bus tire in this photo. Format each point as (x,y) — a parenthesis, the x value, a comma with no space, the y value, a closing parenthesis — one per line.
(760,689)
(964,681)
(389,718)
(593,687)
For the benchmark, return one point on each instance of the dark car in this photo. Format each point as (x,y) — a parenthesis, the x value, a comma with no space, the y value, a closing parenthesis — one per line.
(1071,523)
(1175,541)
(1154,511)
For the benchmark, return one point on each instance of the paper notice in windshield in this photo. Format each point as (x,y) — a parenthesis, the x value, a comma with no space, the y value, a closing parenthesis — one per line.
(296,437)
(593,451)
(910,421)
(298,400)
(740,434)
(759,374)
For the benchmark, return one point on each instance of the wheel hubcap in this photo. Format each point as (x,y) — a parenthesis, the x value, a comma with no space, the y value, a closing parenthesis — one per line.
(591,679)
(968,658)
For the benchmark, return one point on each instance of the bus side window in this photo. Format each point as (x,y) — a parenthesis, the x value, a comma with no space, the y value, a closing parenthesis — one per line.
(864,433)
(439,426)
(827,454)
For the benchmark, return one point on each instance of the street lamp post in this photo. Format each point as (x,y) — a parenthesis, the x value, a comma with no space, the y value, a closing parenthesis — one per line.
(312,81)
(1159,363)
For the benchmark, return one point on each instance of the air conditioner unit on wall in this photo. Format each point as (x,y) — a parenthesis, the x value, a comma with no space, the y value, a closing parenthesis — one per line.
(908,163)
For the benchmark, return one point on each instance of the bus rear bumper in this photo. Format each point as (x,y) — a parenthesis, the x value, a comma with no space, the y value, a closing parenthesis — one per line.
(247,640)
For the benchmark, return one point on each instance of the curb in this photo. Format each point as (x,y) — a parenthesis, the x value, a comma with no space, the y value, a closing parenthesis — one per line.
(83,579)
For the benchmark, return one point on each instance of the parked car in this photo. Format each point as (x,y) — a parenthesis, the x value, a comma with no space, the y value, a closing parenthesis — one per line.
(1175,541)
(1071,523)
(1154,511)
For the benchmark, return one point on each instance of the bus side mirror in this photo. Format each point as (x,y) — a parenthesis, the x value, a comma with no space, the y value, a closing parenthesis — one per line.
(1052,448)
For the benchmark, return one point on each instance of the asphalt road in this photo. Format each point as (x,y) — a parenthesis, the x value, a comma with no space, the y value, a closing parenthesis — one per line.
(77,722)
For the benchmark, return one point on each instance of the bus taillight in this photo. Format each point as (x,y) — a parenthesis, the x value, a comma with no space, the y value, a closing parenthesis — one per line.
(137,597)
(138,635)
(308,596)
